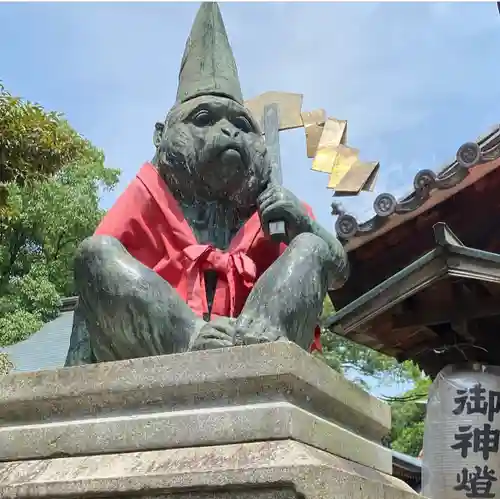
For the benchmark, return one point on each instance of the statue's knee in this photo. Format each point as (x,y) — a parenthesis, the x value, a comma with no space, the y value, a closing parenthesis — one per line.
(332,260)
(312,245)
(94,252)
(97,247)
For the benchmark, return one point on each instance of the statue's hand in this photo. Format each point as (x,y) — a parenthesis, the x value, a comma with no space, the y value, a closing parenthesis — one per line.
(277,203)
(218,333)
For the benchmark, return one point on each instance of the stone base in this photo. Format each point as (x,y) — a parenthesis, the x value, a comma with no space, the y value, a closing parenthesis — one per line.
(266,470)
(189,428)
(267,420)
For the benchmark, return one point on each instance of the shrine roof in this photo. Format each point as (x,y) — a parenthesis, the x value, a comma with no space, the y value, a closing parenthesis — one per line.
(429,190)
(401,276)
(464,195)
(440,309)
(407,463)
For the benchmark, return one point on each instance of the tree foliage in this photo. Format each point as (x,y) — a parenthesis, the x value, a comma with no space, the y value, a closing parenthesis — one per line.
(46,215)
(35,143)
(47,220)
(358,362)
(408,415)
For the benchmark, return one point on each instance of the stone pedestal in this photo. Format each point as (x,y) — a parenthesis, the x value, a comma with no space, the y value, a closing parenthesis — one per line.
(266,420)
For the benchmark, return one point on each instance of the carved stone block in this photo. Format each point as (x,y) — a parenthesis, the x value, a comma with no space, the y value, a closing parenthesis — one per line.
(229,419)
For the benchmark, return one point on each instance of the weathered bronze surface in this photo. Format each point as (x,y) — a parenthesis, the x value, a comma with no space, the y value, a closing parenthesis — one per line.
(212,156)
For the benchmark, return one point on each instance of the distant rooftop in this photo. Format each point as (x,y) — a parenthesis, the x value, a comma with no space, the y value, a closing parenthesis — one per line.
(47,348)
(409,463)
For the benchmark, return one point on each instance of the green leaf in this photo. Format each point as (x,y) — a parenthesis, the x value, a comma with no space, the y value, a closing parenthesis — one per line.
(50,189)
(407,434)
(35,144)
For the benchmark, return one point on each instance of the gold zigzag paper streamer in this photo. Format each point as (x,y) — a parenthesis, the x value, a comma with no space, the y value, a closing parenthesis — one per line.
(347,174)
(333,135)
(326,140)
(344,160)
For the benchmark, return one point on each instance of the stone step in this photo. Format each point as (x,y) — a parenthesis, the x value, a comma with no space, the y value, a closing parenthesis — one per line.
(189,428)
(273,372)
(260,470)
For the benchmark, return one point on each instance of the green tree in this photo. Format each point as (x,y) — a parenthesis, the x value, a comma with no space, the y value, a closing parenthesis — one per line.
(408,417)
(35,143)
(358,362)
(47,220)
(45,217)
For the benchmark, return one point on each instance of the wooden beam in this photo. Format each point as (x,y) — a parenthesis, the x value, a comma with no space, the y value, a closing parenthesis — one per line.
(418,276)
(443,315)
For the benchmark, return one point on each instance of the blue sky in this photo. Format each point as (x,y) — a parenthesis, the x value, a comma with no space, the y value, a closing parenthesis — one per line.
(414,80)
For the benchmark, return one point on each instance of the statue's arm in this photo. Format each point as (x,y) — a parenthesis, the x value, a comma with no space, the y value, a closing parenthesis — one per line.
(340,263)
(278,203)
(339,272)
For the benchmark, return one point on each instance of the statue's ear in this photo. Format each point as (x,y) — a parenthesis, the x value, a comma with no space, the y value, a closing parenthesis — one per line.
(158,133)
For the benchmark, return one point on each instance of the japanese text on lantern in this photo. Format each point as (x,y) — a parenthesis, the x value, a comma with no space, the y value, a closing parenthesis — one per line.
(477,481)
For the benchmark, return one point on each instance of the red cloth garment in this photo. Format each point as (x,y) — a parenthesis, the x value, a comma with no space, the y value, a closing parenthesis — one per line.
(148,221)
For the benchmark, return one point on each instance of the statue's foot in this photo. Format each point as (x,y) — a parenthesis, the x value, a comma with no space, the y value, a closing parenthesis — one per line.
(218,333)
(252,329)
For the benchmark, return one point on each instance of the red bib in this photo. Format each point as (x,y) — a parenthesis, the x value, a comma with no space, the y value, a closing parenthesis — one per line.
(148,221)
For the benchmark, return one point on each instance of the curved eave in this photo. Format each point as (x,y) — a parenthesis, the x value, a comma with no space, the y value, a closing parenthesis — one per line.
(431,267)
(410,464)
(436,197)
(351,313)
(435,265)
(389,319)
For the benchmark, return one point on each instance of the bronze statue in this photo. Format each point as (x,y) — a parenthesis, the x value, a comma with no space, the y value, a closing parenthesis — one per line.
(181,261)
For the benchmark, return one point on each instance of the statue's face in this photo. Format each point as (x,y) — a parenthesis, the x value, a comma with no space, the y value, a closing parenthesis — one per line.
(212,149)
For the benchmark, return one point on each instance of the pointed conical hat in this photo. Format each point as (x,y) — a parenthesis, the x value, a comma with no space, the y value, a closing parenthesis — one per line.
(208,66)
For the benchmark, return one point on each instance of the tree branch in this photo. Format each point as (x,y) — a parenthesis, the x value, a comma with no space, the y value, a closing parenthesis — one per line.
(61,244)
(15,245)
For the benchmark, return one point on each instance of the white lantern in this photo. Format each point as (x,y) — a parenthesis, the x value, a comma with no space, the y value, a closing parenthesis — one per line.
(462,432)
